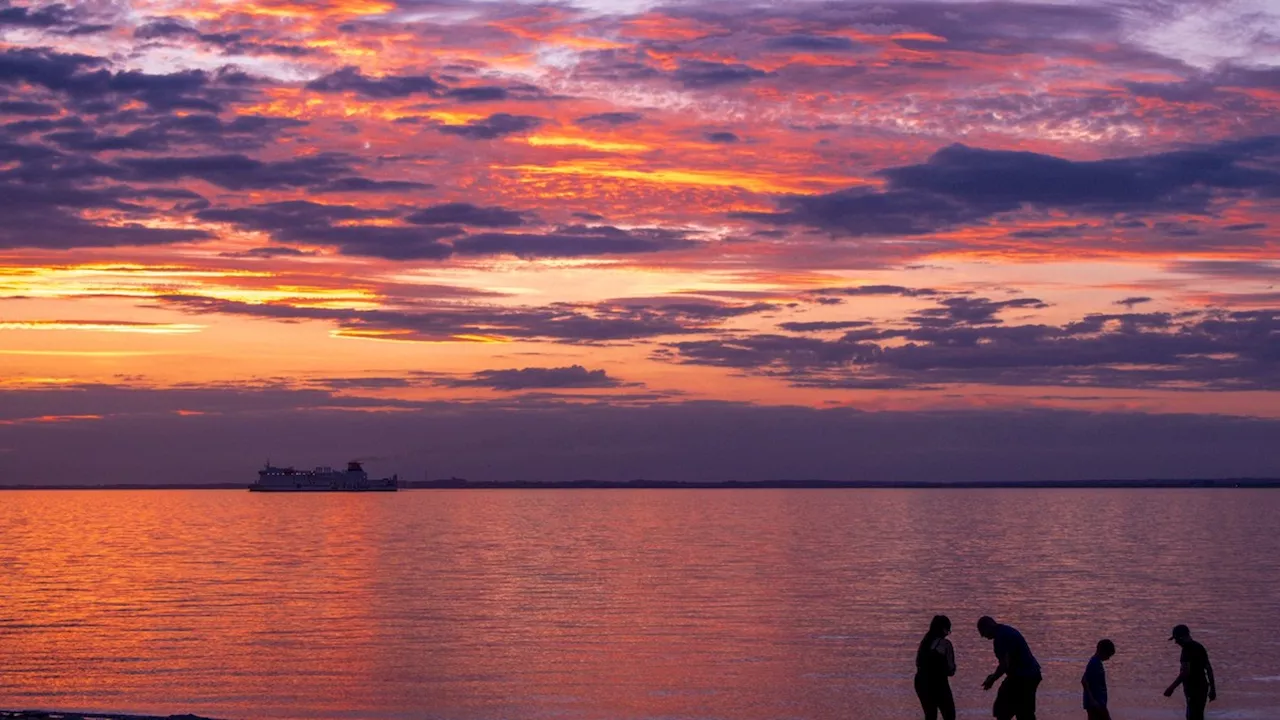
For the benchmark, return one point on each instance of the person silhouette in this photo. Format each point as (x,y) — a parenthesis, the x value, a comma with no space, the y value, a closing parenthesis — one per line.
(1195,674)
(1095,682)
(935,662)
(1017,694)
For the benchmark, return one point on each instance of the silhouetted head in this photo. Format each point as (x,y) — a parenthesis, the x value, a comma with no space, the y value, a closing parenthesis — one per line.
(987,627)
(1180,634)
(940,626)
(1106,649)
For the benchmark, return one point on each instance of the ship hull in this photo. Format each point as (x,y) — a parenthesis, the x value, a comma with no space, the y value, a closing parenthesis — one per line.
(322,479)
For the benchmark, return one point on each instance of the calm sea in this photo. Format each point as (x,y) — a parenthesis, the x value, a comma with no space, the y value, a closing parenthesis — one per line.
(733,604)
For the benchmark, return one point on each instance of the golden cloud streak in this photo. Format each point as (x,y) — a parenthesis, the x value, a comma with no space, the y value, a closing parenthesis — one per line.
(93,326)
(296,296)
(454,117)
(482,338)
(759,183)
(289,9)
(588,143)
(133,270)
(82,353)
(37,381)
(403,336)
(140,281)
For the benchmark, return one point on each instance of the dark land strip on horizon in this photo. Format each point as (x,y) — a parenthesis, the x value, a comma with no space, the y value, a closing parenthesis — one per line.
(58,715)
(462,484)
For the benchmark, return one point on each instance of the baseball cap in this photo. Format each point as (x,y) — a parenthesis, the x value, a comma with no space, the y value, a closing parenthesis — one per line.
(1180,631)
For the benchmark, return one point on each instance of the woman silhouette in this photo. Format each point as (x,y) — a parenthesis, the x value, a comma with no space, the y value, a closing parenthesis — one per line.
(935,662)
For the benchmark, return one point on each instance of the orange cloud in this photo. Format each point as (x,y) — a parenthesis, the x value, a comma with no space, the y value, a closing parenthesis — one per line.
(104,326)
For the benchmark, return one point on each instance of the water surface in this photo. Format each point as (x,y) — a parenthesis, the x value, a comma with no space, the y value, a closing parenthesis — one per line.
(603,604)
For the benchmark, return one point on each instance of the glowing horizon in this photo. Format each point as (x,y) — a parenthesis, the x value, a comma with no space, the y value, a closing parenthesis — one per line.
(1030,206)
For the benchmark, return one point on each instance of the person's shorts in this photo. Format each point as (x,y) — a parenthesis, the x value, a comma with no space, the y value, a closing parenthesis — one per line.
(1016,698)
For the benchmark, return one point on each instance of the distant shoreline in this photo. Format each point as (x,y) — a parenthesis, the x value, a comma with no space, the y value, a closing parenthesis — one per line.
(459,484)
(57,715)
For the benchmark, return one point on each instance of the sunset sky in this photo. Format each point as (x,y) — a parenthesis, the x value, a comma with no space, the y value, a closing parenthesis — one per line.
(614,239)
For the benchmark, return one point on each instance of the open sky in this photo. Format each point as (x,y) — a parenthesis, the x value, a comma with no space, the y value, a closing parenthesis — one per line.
(702,239)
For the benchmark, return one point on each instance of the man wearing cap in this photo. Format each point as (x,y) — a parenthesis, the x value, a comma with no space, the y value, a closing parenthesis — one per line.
(1017,694)
(1196,675)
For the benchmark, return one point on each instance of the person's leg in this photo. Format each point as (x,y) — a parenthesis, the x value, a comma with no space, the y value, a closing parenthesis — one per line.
(946,703)
(1196,699)
(1027,698)
(930,705)
(1006,705)
(927,701)
(1098,714)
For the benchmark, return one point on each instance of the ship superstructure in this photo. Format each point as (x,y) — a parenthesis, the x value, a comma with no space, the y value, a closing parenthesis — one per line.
(321,479)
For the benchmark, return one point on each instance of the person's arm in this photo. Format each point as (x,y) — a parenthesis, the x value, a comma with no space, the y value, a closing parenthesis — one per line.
(1182,676)
(1088,691)
(950,652)
(1001,669)
(1088,680)
(1208,671)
